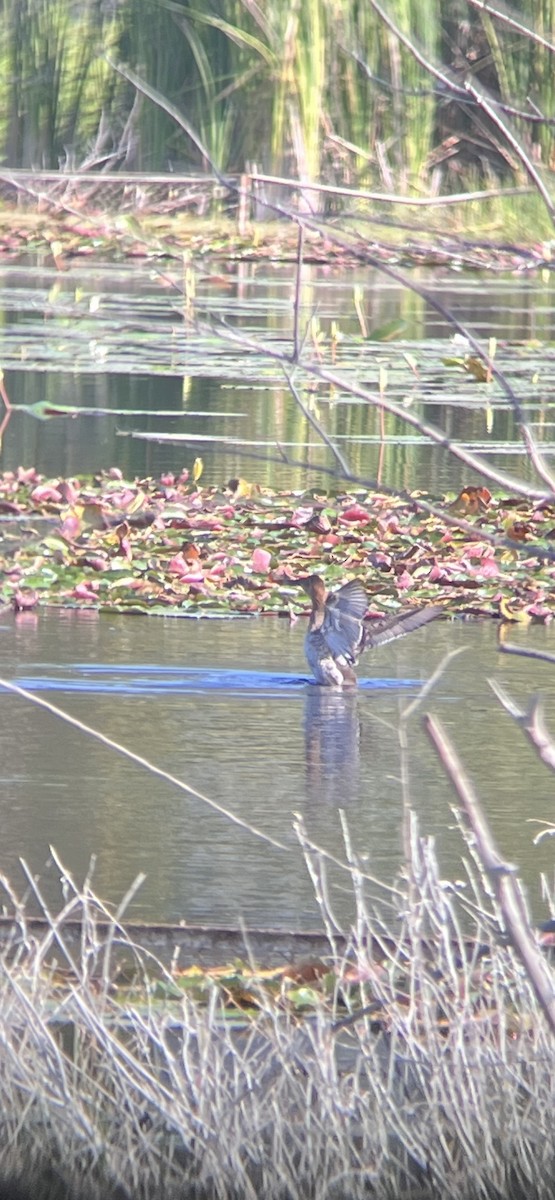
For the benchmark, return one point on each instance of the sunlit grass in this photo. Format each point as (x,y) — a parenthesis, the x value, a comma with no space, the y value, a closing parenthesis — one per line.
(428,1069)
(332,90)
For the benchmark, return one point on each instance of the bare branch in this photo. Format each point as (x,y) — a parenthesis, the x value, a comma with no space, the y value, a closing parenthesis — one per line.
(457,91)
(297,185)
(526,652)
(531,721)
(501,875)
(519,26)
(342,463)
(378,400)
(138,759)
(484,102)
(443,77)
(297,300)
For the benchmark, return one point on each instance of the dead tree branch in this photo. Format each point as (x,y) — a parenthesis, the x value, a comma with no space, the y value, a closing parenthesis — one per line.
(500,875)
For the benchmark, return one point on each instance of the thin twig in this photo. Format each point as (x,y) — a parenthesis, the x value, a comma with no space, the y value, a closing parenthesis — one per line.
(525,652)
(430,683)
(438,436)
(328,189)
(312,419)
(520,27)
(297,300)
(531,721)
(141,762)
(500,874)
(485,104)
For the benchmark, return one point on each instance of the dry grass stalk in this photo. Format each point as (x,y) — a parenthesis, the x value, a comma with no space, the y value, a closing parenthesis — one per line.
(429,1072)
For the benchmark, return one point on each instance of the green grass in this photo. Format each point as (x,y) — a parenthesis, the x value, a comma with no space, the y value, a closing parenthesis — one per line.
(321,90)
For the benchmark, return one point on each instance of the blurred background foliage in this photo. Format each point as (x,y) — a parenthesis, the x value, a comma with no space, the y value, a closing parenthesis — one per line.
(315,89)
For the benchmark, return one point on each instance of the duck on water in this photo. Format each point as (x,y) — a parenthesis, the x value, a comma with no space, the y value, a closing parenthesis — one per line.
(337,633)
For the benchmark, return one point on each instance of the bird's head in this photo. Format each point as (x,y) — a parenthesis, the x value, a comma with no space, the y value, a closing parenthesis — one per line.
(314,587)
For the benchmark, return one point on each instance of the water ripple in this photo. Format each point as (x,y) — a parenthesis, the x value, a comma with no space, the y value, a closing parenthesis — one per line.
(149,680)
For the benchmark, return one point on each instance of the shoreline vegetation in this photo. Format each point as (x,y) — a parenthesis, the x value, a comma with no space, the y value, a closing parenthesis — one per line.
(415,1057)
(434,103)
(64,218)
(412,1058)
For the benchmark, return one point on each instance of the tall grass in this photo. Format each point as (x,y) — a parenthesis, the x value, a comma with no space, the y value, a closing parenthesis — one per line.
(524,67)
(429,1071)
(323,89)
(53,84)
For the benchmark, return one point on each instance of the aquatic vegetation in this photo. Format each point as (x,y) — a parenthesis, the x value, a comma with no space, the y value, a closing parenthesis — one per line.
(171,546)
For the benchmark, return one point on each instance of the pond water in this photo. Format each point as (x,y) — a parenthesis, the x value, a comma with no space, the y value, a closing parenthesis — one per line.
(114,342)
(225,706)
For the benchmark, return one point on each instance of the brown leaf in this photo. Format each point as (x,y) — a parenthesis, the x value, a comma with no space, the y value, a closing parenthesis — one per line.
(471,500)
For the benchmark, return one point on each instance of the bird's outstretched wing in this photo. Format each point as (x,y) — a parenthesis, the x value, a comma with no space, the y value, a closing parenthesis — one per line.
(350,599)
(386,629)
(343,633)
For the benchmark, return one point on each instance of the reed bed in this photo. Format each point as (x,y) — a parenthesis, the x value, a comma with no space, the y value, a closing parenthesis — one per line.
(352,94)
(429,1070)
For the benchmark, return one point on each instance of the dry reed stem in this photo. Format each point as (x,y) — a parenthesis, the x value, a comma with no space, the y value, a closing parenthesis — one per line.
(446,1086)
(501,875)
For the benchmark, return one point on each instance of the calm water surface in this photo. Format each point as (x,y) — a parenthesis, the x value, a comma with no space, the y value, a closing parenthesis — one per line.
(260,742)
(112,339)
(224,706)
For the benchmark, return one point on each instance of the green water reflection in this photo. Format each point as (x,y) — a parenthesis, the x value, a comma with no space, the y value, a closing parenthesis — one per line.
(113,338)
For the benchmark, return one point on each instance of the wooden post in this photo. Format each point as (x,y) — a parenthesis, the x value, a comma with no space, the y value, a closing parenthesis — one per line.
(243,206)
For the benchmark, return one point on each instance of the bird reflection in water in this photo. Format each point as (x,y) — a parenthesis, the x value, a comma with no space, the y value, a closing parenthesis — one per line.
(337,634)
(332,745)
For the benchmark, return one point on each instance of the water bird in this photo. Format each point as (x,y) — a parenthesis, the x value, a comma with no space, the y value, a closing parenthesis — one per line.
(337,633)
